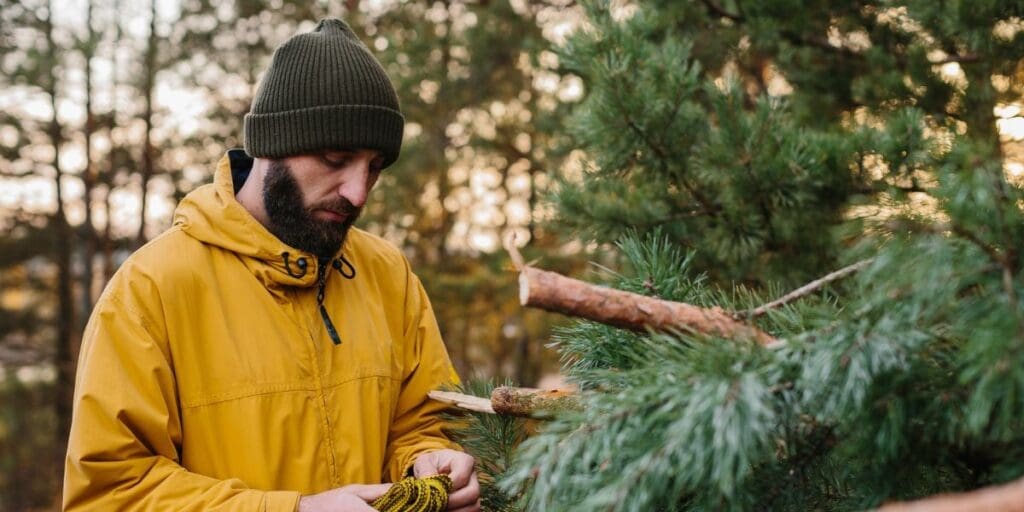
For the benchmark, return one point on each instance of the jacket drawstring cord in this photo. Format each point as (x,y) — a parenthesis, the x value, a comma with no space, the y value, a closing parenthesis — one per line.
(339,265)
(321,285)
(301,263)
(342,265)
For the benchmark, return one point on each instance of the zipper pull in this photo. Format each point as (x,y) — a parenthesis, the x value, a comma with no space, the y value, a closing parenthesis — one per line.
(321,285)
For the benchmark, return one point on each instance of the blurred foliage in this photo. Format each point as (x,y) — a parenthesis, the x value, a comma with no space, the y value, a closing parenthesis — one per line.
(26,473)
(483,137)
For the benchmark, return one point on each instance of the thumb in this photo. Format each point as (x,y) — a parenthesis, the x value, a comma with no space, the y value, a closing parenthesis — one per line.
(367,492)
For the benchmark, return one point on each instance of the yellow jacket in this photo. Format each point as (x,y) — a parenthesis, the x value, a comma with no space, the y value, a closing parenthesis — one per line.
(208,381)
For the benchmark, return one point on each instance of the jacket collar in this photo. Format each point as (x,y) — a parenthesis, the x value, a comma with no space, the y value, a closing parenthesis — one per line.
(212,215)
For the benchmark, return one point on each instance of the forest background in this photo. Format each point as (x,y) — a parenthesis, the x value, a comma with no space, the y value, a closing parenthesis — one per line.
(762,143)
(101,100)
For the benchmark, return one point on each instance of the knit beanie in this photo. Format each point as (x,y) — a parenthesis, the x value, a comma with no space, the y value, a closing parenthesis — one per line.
(324,90)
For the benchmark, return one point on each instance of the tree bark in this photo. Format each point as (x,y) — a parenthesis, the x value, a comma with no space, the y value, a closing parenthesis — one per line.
(553,292)
(531,403)
(511,401)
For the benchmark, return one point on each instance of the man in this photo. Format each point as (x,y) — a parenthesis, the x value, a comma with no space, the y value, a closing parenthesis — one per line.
(262,355)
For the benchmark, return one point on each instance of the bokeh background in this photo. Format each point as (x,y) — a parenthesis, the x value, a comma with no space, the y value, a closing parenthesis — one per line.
(761,137)
(112,110)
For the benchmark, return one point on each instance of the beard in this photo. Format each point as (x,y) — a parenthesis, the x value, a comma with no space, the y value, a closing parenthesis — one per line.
(294,224)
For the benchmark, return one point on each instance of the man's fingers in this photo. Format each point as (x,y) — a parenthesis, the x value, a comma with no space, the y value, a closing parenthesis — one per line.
(462,466)
(475,507)
(465,496)
(367,492)
(426,465)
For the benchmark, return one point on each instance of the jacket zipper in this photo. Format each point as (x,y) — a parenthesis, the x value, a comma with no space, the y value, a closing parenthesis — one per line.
(321,285)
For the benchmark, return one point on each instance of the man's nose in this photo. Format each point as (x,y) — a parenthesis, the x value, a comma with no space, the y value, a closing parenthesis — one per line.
(355,188)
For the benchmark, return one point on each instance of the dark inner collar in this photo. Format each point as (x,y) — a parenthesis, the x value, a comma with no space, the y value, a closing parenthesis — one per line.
(241,166)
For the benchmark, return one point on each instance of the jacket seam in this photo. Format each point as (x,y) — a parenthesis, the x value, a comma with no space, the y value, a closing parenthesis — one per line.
(272,389)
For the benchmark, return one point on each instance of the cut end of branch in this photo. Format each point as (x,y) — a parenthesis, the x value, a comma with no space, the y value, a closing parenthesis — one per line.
(463,401)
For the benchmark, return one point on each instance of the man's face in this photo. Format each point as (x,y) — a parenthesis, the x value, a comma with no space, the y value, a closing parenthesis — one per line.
(312,200)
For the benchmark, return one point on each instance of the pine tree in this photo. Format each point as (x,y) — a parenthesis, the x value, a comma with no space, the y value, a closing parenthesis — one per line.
(737,148)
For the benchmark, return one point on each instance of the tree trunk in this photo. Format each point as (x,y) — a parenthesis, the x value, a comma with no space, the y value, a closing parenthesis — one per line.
(107,242)
(88,177)
(66,349)
(147,148)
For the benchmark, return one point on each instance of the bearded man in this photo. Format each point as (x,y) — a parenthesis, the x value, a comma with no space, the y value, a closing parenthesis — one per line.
(263,354)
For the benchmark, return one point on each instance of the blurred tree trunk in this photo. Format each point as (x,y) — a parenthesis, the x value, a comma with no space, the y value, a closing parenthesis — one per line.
(147,148)
(66,341)
(106,241)
(88,174)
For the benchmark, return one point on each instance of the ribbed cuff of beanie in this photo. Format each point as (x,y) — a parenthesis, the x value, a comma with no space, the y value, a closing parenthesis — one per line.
(295,132)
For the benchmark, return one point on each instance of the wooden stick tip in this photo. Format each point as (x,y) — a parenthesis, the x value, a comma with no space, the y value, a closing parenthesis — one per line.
(513,252)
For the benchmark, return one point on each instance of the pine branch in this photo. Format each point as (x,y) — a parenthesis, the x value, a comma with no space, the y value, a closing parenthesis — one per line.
(999,498)
(994,254)
(511,401)
(556,293)
(804,290)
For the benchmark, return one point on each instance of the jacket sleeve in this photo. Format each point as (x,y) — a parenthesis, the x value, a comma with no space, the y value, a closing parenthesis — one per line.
(417,425)
(126,426)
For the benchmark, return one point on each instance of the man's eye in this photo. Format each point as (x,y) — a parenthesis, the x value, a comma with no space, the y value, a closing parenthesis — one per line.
(336,163)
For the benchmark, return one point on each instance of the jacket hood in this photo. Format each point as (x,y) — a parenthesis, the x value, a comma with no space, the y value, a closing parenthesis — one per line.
(212,215)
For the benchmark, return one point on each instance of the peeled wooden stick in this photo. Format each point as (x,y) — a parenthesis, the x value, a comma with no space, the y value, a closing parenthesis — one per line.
(463,401)
(554,292)
(806,289)
(998,498)
(510,401)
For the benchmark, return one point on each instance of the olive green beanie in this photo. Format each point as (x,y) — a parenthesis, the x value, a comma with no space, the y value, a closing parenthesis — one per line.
(324,90)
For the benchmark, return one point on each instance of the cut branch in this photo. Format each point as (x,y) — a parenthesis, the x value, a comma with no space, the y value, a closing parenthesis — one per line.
(804,290)
(512,401)
(531,403)
(556,293)
(999,498)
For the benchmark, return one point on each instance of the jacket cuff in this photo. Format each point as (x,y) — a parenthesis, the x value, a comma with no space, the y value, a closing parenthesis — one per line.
(280,501)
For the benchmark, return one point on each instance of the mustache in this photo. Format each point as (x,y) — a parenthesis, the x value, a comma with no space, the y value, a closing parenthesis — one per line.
(340,206)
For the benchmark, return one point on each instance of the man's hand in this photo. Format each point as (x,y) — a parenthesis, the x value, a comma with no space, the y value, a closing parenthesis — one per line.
(460,467)
(351,498)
